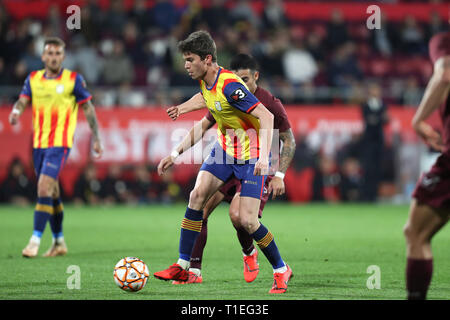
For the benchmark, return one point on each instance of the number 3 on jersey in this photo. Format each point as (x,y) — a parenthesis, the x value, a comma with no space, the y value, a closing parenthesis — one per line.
(238,94)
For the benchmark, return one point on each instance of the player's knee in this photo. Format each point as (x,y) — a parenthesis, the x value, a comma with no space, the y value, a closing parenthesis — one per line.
(196,198)
(249,224)
(45,188)
(234,217)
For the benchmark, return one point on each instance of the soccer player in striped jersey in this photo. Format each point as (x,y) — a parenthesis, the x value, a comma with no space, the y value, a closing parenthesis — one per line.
(244,140)
(245,67)
(55,94)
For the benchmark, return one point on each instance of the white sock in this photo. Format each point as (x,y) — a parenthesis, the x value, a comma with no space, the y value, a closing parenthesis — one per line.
(35,239)
(197,271)
(184,264)
(58,240)
(280,270)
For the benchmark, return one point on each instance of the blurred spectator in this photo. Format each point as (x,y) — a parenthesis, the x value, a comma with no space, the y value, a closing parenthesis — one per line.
(326,180)
(85,59)
(191,16)
(243,12)
(337,30)
(117,67)
(274,48)
(4,78)
(299,65)
(382,39)
(114,187)
(87,187)
(435,25)
(274,15)
(351,180)
(344,69)
(412,38)
(17,187)
(374,114)
(91,24)
(164,15)
(142,188)
(55,21)
(217,15)
(32,61)
(20,73)
(114,19)
(412,94)
(140,15)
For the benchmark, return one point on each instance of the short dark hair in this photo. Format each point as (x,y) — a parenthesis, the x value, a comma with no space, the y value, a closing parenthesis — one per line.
(200,43)
(55,41)
(243,61)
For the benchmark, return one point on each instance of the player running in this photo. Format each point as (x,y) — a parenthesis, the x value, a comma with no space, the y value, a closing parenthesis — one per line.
(245,67)
(429,210)
(243,147)
(55,94)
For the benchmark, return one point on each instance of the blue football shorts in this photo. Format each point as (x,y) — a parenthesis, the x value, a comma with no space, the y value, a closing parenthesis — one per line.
(223,166)
(50,161)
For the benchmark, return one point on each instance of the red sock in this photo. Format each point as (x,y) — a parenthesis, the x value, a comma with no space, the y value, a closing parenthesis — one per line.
(418,278)
(246,240)
(199,246)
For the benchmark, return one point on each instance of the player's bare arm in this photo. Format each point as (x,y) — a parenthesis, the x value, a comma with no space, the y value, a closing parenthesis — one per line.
(286,155)
(18,109)
(435,93)
(195,134)
(91,117)
(195,103)
(265,137)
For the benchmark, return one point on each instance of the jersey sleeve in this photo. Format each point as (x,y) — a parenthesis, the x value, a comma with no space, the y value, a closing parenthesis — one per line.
(26,89)
(210,117)
(80,92)
(281,120)
(239,97)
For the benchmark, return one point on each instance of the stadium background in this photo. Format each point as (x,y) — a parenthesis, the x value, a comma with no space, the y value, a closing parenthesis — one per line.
(316,56)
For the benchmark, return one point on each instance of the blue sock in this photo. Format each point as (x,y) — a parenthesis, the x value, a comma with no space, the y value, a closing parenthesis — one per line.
(265,241)
(42,213)
(56,218)
(190,229)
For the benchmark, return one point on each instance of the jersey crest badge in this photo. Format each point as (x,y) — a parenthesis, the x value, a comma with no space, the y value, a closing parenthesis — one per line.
(60,88)
(218,105)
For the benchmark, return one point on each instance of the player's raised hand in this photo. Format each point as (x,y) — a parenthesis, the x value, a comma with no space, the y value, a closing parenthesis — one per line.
(165,164)
(430,136)
(276,185)
(173,112)
(261,167)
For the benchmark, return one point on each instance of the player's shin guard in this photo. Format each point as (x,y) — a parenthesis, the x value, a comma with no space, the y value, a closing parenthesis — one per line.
(56,220)
(264,239)
(190,229)
(199,246)
(418,278)
(42,213)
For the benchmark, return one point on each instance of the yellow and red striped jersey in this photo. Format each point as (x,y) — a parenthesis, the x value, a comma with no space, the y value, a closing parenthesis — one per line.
(55,106)
(230,102)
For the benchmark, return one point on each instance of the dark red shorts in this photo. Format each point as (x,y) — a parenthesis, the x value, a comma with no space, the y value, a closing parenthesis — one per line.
(233,185)
(433,187)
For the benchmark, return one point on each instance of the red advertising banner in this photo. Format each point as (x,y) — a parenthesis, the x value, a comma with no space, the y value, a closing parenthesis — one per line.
(146,135)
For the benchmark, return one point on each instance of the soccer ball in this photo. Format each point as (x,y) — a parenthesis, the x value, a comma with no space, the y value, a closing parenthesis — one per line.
(131,274)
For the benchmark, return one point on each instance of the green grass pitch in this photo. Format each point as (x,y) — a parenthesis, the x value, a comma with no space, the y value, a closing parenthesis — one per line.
(329,248)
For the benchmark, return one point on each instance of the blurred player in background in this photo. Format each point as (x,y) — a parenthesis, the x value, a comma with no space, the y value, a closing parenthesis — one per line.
(244,139)
(245,67)
(55,94)
(430,208)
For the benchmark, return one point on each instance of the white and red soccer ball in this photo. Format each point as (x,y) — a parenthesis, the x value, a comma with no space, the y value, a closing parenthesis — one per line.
(131,274)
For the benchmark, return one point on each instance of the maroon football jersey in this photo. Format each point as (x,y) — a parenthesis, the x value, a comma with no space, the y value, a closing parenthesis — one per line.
(439,46)
(274,105)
